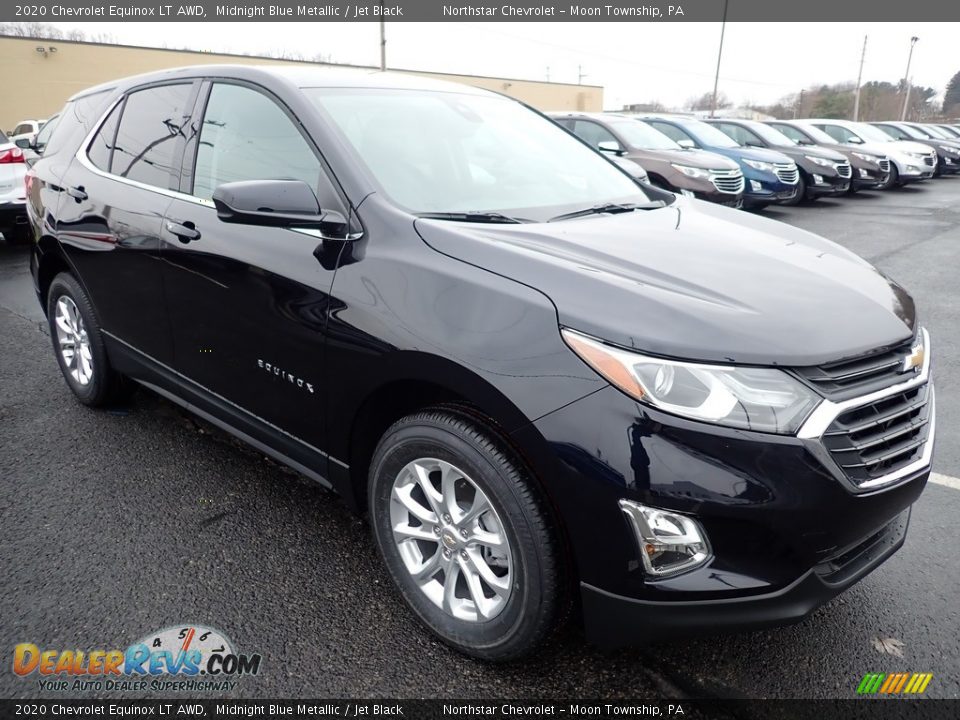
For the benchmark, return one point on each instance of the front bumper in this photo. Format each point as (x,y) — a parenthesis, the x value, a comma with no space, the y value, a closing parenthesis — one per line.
(828,184)
(782,527)
(613,620)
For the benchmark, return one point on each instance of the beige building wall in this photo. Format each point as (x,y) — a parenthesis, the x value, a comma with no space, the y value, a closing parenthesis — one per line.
(36,84)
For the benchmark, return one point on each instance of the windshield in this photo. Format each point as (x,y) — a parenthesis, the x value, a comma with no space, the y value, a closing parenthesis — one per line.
(870,133)
(912,132)
(771,135)
(935,132)
(818,135)
(442,152)
(639,135)
(708,134)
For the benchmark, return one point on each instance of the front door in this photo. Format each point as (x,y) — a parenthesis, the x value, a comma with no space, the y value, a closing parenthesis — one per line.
(248,304)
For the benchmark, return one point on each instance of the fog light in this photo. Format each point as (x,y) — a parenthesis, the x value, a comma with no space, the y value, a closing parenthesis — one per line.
(818,179)
(912,168)
(756,186)
(669,543)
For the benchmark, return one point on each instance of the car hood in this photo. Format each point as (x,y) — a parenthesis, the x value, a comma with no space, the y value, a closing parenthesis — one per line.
(693,158)
(813,151)
(770,156)
(903,146)
(695,280)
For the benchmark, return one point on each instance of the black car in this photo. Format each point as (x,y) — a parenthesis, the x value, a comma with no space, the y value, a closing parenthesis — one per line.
(822,171)
(542,379)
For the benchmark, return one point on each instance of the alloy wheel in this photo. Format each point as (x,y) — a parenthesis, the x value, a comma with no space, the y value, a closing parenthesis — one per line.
(451,540)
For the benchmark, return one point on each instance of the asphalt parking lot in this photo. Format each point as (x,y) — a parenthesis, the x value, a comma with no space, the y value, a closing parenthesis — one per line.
(116,524)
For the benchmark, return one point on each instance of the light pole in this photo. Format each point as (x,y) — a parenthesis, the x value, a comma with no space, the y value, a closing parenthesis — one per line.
(716,78)
(383,40)
(856,98)
(906,79)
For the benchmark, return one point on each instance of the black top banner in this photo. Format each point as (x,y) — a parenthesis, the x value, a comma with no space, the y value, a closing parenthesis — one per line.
(488,11)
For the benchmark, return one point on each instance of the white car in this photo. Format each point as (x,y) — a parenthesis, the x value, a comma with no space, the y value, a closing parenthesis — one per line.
(26,129)
(13,196)
(910,161)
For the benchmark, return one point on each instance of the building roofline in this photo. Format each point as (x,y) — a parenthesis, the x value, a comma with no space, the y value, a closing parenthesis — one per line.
(290,60)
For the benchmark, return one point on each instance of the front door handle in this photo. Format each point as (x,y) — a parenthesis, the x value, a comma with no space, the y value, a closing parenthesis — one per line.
(77,193)
(185,232)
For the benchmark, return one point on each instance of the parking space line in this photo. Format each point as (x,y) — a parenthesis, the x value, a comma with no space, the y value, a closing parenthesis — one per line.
(951,482)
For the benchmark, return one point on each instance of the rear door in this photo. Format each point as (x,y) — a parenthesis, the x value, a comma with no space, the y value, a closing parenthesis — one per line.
(114,196)
(248,304)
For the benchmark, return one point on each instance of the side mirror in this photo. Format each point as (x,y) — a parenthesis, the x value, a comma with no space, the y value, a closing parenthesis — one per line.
(610,146)
(686,144)
(277,203)
(22,143)
(854,140)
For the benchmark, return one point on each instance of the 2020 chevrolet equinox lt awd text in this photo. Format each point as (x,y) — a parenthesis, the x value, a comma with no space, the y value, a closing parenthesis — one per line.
(540,377)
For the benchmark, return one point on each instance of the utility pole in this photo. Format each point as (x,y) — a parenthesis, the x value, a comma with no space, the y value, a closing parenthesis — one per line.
(906,79)
(716,78)
(383,40)
(580,74)
(856,98)
(798,108)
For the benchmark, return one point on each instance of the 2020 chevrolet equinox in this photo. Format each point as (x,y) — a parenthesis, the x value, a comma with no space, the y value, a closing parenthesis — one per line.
(543,380)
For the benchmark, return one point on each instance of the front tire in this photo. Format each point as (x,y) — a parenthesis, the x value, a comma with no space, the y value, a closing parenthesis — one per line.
(78,344)
(893,179)
(800,194)
(465,535)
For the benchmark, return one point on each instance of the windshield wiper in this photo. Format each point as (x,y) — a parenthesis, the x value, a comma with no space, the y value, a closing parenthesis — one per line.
(609,209)
(477,217)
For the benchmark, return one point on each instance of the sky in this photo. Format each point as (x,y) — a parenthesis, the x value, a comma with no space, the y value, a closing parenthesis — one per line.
(635,62)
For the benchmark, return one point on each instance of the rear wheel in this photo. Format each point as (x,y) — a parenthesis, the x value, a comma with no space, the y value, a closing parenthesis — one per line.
(78,344)
(464,535)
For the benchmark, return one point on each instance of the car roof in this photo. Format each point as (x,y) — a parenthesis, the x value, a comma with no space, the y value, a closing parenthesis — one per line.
(298,76)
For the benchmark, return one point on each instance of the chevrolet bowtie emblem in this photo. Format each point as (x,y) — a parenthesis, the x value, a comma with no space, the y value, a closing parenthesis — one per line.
(913,361)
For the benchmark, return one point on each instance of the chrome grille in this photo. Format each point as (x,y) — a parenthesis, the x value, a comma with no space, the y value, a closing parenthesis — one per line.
(727,181)
(877,439)
(787,172)
(884,164)
(844,170)
(861,375)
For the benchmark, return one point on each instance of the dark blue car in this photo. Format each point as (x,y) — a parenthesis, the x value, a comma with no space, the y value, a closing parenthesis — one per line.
(771,177)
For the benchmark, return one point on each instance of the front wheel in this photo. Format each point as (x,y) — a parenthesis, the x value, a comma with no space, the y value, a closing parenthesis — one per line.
(465,535)
(893,179)
(799,195)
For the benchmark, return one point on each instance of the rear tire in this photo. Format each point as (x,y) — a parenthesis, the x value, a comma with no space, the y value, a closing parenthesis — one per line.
(430,473)
(78,344)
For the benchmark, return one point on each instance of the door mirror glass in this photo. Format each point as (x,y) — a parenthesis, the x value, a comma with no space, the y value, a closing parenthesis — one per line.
(610,146)
(686,144)
(855,140)
(276,203)
(23,143)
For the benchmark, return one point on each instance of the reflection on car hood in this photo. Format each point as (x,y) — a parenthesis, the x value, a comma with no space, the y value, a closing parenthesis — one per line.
(695,280)
(693,158)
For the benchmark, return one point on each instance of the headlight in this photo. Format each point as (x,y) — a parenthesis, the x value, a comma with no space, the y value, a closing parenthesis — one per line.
(820,161)
(868,158)
(762,399)
(918,155)
(759,165)
(693,172)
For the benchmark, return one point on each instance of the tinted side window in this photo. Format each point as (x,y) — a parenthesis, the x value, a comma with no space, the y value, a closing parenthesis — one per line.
(740,134)
(671,131)
(23,129)
(43,137)
(100,151)
(840,134)
(247,136)
(147,139)
(593,134)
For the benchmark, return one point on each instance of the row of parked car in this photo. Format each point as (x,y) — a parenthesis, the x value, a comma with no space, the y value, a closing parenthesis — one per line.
(16,147)
(751,164)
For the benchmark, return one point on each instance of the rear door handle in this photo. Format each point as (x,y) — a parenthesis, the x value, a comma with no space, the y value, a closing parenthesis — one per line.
(185,232)
(77,193)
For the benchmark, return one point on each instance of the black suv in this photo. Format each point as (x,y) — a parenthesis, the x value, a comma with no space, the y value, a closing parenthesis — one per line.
(541,378)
